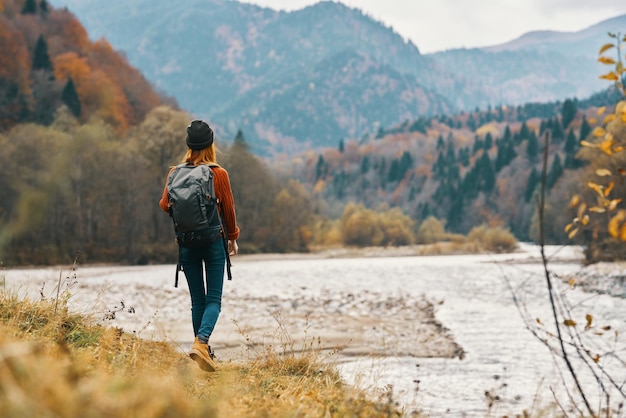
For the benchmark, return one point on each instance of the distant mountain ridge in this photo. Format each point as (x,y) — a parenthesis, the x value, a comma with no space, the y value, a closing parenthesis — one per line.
(278,75)
(583,43)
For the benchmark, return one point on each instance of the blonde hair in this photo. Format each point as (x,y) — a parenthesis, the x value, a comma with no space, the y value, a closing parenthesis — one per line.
(204,156)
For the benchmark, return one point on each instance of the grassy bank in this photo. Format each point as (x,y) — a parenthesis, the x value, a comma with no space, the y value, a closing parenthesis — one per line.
(54,363)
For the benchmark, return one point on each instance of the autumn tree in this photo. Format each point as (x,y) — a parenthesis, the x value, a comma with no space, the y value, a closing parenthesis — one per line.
(599,208)
(365,227)
(160,137)
(430,231)
(290,217)
(254,198)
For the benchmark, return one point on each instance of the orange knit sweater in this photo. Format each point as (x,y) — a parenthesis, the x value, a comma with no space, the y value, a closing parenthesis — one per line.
(224,194)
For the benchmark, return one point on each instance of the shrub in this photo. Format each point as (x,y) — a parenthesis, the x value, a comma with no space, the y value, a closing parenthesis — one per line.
(493,239)
(430,231)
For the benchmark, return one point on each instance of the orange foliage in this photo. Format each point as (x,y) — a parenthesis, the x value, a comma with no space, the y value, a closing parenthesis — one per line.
(76,33)
(96,90)
(127,81)
(14,59)
(71,65)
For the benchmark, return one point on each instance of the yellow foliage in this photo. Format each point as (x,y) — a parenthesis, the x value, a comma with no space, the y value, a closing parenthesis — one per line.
(615,223)
(430,231)
(598,132)
(609,118)
(612,76)
(493,239)
(613,204)
(605,48)
(606,60)
(364,227)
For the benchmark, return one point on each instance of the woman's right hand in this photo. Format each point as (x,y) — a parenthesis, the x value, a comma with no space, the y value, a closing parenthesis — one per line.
(233,248)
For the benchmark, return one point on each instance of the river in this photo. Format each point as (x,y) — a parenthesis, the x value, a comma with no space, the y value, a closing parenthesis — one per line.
(472,296)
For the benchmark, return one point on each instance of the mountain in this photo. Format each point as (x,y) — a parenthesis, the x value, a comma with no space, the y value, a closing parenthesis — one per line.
(278,75)
(583,43)
(538,66)
(236,64)
(344,93)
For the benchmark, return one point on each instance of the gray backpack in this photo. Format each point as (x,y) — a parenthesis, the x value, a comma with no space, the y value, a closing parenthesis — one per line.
(194,209)
(194,206)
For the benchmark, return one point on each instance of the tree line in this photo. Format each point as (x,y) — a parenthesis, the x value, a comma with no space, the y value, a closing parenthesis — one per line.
(462,176)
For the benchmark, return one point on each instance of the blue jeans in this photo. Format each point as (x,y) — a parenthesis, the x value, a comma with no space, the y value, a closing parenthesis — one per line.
(206,295)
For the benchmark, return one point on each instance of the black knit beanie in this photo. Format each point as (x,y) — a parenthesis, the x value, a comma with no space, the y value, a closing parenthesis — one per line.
(199,135)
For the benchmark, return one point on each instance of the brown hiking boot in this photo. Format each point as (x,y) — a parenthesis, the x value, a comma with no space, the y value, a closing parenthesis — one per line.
(201,354)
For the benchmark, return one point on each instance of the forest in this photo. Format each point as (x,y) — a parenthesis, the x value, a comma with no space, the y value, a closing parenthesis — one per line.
(87,141)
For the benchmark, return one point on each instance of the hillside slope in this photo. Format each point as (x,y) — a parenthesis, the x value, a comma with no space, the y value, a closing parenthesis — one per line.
(47,60)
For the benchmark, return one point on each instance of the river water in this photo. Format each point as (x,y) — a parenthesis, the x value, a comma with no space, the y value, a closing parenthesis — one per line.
(473,300)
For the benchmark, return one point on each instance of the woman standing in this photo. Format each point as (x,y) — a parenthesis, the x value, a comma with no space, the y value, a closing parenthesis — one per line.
(206,295)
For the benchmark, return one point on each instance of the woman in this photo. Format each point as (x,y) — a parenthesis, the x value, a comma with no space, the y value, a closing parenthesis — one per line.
(206,295)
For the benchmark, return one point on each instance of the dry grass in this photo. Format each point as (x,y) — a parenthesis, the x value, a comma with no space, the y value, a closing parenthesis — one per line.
(54,363)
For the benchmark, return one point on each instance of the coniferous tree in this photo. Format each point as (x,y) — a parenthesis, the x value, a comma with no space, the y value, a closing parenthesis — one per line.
(585,129)
(571,149)
(488,174)
(43,6)
(470,183)
(571,143)
(533,180)
(555,172)
(532,148)
(41,59)
(440,144)
(558,135)
(568,112)
(425,211)
(406,162)
(341,146)
(507,134)
(478,145)
(524,132)
(455,214)
(464,156)
(439,169)
(488,142)
(319,167)
(394,171)
(450,157)
(30,7)
(365,165)
(69,96)
(500,156)
(240,140)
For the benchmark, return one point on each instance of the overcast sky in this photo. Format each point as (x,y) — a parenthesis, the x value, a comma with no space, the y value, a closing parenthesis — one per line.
(436,25)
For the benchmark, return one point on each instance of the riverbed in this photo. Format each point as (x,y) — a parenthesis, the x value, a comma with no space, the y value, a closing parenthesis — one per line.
(441,332)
